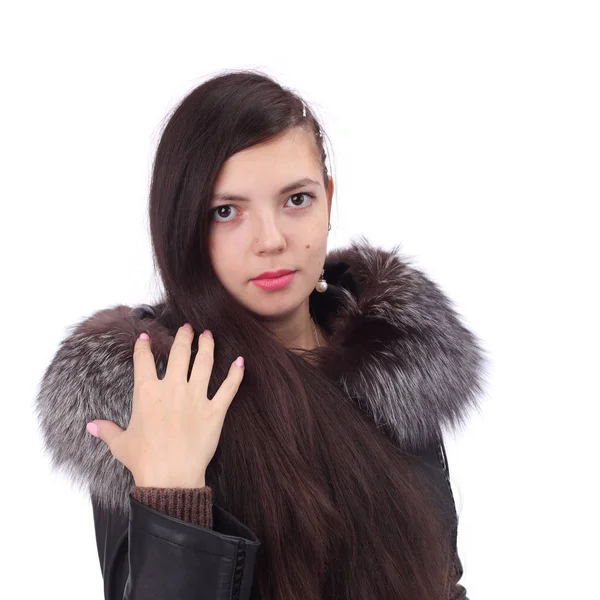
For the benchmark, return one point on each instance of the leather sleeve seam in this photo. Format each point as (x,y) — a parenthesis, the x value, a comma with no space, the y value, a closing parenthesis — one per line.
(181,546)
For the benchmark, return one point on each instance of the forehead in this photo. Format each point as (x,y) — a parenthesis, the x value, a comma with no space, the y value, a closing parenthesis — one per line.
(270,165)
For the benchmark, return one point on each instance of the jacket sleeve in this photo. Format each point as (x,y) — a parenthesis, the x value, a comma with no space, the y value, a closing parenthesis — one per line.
(152,555)
(437,474)
(152,543)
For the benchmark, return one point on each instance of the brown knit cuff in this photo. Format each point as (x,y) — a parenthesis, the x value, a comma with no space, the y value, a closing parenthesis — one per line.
(188,504)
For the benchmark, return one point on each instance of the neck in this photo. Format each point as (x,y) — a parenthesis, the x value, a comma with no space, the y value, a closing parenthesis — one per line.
(295,330)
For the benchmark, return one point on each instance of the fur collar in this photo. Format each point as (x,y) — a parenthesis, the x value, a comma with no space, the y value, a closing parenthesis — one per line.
(401,351)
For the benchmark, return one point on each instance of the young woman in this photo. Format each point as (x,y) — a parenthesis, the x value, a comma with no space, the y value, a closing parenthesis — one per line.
(317,468)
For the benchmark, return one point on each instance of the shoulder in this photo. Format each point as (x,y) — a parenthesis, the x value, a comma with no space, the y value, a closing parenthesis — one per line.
(431,463)
(90,377)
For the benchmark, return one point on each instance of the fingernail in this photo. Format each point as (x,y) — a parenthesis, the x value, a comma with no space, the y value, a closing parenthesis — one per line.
(239,361)
(144,336)
(92,428)
(207,333)
(188,327)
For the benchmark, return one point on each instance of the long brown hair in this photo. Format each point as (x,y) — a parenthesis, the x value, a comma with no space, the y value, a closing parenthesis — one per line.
(336,504)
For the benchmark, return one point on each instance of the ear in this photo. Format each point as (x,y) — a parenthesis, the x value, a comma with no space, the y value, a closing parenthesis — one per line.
(329,196)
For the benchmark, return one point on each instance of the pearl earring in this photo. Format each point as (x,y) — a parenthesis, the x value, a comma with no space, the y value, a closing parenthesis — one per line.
(321,284)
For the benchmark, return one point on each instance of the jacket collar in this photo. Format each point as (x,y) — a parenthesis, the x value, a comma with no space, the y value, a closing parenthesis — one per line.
(403,348)
(398,347)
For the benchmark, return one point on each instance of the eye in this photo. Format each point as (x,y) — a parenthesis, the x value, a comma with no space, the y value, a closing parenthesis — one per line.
(311,196)
(225,208)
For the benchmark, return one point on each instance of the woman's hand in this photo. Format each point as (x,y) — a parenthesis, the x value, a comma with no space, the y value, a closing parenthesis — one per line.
(174,428)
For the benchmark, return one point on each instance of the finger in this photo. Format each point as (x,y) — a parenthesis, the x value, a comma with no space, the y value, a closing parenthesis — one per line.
(144,367)
(107,431)
(230,385)
(178,362)
(203,364)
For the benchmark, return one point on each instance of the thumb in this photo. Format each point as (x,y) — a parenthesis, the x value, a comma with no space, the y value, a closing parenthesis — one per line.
(107,431)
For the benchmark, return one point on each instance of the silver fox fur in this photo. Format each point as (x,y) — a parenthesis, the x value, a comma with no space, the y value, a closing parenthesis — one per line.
(405,353)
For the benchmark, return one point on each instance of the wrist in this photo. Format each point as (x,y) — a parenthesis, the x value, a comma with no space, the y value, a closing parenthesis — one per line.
(170,483)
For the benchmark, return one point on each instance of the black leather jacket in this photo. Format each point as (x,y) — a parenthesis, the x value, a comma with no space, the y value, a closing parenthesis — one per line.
(153,556)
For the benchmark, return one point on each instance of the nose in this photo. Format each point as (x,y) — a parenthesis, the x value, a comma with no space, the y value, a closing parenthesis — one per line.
(268,236)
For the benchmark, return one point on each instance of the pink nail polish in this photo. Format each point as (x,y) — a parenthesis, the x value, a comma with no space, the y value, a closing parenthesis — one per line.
(92,428)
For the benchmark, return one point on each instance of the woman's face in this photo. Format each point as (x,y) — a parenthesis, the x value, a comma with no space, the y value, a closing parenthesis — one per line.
(267,227)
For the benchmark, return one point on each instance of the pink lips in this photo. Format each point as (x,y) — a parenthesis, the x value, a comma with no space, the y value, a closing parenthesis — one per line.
(274,283)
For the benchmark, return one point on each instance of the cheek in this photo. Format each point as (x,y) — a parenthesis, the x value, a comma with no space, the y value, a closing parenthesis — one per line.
(223,258)
(226,265)
(315,245)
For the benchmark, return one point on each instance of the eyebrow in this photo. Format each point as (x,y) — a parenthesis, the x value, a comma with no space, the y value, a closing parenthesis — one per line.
(288,188)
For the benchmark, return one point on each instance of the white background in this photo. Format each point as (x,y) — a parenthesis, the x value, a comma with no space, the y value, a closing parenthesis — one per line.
(469,132)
